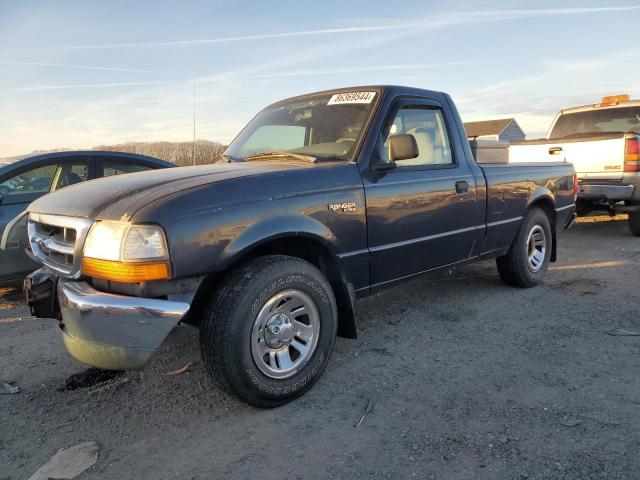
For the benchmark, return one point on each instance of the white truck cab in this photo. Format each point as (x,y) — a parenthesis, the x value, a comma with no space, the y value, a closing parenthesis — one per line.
(602,141)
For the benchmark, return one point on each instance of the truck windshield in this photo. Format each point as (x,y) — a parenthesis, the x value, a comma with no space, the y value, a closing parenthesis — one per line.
(320,126)
(604,120)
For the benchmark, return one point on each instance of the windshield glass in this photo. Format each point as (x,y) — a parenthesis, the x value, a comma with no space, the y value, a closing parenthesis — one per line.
(623,119)
(322,126)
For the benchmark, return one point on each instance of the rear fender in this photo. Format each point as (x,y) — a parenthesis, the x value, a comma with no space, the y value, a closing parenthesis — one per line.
(541,194)
(543,198)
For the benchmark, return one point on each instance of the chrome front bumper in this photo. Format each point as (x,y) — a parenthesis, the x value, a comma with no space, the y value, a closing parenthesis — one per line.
(114,331)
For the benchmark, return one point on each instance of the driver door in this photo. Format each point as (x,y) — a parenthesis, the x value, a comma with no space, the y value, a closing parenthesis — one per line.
(422,213)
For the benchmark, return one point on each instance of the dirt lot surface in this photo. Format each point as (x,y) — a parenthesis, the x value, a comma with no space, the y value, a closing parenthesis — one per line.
(467,378)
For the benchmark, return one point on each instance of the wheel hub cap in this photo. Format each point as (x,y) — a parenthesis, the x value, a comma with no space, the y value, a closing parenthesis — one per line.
(536,248)
(279,331)
(285,333)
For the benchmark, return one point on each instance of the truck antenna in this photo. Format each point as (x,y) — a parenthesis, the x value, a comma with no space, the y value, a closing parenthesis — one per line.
(193,147)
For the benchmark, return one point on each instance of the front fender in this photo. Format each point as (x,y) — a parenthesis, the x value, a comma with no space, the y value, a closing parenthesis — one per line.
(273,228)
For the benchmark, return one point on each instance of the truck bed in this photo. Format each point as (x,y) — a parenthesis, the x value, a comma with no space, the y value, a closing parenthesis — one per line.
(512,187)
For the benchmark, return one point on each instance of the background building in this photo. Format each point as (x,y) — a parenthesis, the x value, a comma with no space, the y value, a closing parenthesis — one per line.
(504,130)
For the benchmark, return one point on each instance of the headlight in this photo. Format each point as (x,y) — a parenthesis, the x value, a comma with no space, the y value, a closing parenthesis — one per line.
(123,252)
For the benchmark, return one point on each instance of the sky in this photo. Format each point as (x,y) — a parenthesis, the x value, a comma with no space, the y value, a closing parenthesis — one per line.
(76,74)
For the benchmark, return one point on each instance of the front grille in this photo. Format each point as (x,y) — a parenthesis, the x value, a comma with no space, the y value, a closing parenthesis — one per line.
(57,241)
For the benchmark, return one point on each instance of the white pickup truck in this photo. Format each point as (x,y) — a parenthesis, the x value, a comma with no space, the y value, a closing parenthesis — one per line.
(602,141)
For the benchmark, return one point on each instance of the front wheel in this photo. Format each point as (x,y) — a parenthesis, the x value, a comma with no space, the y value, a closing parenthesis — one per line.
(269,331)
(528,259)
(634,223)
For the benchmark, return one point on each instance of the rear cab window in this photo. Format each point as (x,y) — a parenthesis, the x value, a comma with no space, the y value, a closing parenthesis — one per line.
(598,120)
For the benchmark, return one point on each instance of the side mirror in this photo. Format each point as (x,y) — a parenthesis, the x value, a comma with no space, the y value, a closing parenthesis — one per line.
(402,147)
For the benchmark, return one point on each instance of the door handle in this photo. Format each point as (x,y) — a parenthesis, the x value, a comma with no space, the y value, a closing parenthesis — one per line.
(462,187)
(555,150)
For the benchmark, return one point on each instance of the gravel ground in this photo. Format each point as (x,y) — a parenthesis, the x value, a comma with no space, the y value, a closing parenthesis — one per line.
(467,379)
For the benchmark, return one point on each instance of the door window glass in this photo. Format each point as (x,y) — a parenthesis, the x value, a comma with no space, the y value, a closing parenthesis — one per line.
(27,186)
(70,174)
(427,127)
(120,167)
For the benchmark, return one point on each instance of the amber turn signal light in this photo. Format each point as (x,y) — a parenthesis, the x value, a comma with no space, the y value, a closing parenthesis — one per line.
(125,272)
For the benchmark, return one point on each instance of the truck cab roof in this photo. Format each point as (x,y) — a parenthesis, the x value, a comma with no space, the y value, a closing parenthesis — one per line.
(394,90)
(600,106)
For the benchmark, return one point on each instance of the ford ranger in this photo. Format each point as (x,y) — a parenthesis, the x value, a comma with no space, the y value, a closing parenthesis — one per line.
(602,141)
(320,200)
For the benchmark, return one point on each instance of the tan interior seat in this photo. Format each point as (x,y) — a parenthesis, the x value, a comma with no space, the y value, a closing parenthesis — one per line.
(426,148)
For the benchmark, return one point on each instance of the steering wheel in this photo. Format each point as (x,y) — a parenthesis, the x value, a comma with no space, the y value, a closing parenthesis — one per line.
(345,140)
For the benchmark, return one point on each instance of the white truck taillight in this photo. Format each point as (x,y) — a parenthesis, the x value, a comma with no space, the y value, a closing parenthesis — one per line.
(576,187)
(632,153)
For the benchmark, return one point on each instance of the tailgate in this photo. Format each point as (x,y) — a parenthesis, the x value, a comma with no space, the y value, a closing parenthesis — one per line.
(601,159)
(598,157)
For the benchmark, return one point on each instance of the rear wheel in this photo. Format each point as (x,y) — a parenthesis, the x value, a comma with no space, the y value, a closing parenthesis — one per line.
(269,331)
(634,223)
(528,259)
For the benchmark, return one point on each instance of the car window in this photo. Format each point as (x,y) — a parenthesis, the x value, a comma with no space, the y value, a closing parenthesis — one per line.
(426,125)
(325,126)
(70,174)
(120,167)
(600,120)
(27,186)
(275,137)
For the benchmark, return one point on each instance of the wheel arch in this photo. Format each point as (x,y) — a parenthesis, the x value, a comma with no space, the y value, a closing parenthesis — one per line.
(543,199)
(312,246)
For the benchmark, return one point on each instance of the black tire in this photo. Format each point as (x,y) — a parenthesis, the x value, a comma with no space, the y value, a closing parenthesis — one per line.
(634,223)
(514,267)
(226,330)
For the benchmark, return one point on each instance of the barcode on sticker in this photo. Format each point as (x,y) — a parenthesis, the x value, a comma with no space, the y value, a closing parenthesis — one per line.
(351,97)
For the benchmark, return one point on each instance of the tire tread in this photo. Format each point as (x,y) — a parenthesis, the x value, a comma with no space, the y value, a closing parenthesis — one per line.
(215,328)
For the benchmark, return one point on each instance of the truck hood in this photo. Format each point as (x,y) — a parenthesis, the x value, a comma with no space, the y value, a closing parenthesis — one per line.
(119,197)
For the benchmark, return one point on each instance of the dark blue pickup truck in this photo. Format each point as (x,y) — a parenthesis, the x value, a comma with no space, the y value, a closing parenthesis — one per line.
(320,200)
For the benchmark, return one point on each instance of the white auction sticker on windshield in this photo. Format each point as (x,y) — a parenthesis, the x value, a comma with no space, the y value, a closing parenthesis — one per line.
(351,97)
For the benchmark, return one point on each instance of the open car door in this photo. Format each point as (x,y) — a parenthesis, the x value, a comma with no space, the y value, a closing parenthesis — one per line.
(13,261)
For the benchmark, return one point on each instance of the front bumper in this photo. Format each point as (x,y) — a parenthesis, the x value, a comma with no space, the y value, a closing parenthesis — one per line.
(110,331)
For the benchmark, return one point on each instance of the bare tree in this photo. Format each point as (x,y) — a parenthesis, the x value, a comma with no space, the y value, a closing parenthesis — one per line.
(180,153)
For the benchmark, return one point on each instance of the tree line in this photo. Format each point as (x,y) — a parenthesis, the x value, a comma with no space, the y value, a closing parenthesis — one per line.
(180,153)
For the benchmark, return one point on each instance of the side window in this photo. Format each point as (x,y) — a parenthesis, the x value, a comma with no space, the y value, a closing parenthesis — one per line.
(27,186)
(120,167)
(427,127)
(70,174)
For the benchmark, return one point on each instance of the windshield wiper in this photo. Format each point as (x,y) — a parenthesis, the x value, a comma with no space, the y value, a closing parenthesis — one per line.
(281,154)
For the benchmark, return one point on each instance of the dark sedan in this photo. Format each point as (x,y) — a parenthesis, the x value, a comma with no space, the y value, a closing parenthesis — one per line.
(24,181)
